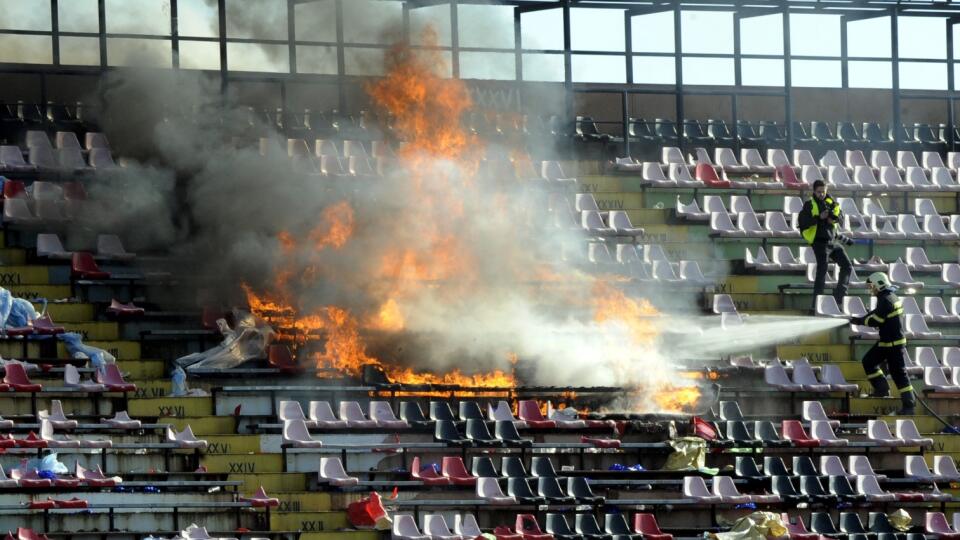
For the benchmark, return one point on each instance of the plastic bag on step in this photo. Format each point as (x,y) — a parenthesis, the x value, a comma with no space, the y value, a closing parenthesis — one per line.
(50,463)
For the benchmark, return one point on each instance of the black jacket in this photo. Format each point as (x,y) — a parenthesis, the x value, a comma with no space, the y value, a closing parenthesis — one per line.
(826,232)
(888,318)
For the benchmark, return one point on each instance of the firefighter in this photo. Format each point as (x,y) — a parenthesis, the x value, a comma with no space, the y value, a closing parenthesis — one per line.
(818,223)
(891,348)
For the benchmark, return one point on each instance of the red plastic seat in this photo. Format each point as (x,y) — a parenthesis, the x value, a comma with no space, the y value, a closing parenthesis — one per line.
(793,431)
(16,378)
(113,379)
(529,411)
(40,504)
(260,499)
(708,175)
(29,534)
(121,309)
(280,357)
(71,503)
(646,524)
(44,325)
(506,533)
(19,331)
(6,441)
(527,526)
(83,266)
(798,530)
(788,177)
(13,189)
(600,443)
(428,475)
(66,482)
(453,468)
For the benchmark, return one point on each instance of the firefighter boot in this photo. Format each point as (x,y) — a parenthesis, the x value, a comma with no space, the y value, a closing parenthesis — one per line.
(908,403)
(881,388)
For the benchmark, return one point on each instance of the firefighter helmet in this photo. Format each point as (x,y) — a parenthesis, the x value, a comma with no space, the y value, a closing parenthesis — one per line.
(879,280)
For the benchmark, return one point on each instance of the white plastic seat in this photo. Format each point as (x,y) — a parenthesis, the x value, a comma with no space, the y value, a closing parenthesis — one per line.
(730,320)
(783,256)
(853,306)
(723,303)
(868,486)
(886,228)
(936,311)
(43,158)
(831,278)
(679,173)
(720,224)
(944,467)
(775,375)
(5,481)
(691,211)
(826,306)
(100,158)
(502,413)
(382,413)
(891,180)
(17,211)
(924,207)
(813,410)
(466,525)
(405,528)
(598,253)
(295,433)
(951,275)
(436,527)
(332,472)
(700,155)
(121,420)
(906,158)
(831,375)
(740,203)
(71,379)
(653,253)
(66,139)
(11,159)
(907,224)
(916,259)
(838,178)
(831,159)
(915,467)
(49,246)
(56,416)
(109,246)
(750,157)
(291,410)
(620,223)
(917,179)
(933,226)
(671,154)
(916,328)
(48,191)
(759,262)
(879,432)
(803,158)
(859,227)
(931,160)
(351,412)
(776,224)
(823,433)
(855,158)
(860,466)
(726,160)
(951,355)
(792,205)
(70,159)
(584,202)
(331,165)
(810,174)
(880,158)
(94,139)
(747,223)
(695,488)
(900,276)
(714,203)
(776,157)
(724,488)
(832,466)
(663,271)
(803,375)
(944,181)
(935,380)
(907,430)
(864,176)
(653,175)
(592,223)
(489,490)
(47,434)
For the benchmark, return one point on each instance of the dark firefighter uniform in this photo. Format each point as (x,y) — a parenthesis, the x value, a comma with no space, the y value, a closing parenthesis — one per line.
(890,349)
(826,242)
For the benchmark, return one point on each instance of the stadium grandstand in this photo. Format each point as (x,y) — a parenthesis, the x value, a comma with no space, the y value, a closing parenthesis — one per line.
(457,269)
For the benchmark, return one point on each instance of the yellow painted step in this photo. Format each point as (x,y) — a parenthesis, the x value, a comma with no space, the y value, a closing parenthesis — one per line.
(137,370)
(12,256)
(621,201)
(24,275)
(232,444)
(126,350)
(70,313)
(815,353)
(164,407)
(277,484)
(308,521)
(151,388)
(243,463)
(343,535)
(93,331)
(740,284)
(32,292)
(204,425)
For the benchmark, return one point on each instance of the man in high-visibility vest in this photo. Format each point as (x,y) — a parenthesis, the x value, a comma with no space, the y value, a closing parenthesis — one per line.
(818,223)
(891,348)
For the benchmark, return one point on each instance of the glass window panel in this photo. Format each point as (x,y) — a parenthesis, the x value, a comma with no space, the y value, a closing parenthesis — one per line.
(654,70)
(197,18)
(258,57)
(870,74)
(600,69)
(538,30)
(316,21)
(653,33)
(479,65)
(26,49)
(922,37)
(923,76)
(24,15)
(257,19)
(78,16)
(199,55)
(359,61)
(596,29)
(80,51)
(543,67)
(138,17)
(322,60)
(816,73)
(869,38)
(372,21)
(139,52)
(814,35)
(485,26)
(427,20)
(762,35)
(956,41)
(761,72)
(709,32)
(708,71)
